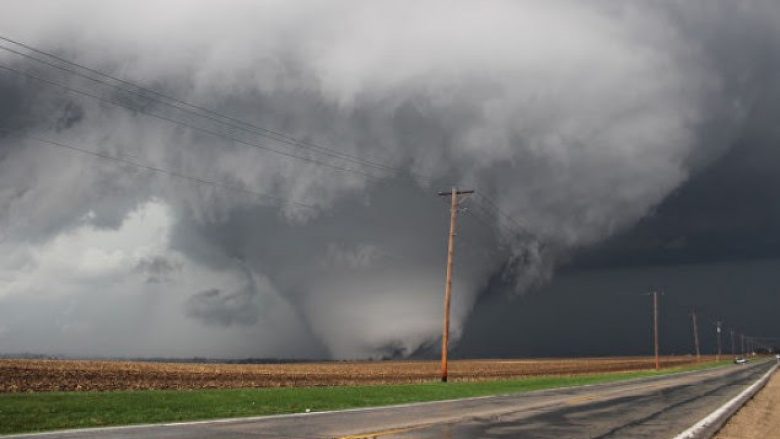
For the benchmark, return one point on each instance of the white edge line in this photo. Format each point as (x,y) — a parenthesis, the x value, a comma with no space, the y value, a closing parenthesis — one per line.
(708,420)
(352,410)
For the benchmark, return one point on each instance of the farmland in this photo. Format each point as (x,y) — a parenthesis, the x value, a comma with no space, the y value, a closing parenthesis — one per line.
(72,375)
(52,394)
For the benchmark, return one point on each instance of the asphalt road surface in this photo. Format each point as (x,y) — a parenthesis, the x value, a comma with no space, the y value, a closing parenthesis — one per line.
(657,407)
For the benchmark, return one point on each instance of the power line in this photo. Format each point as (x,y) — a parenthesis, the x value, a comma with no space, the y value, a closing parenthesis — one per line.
(478,212)
(185,124)
(164,171)
(514,226)
(224,120)
(216,134)
(186,177)
(503,214)
(197,110)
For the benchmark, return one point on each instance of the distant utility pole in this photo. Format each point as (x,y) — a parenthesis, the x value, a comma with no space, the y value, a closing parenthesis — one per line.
(655,330)
(454,195)
(742,342)
(695,335)
(733,351)
(717,325)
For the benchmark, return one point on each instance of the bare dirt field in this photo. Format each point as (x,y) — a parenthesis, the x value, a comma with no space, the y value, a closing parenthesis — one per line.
(72,375)
(759,418)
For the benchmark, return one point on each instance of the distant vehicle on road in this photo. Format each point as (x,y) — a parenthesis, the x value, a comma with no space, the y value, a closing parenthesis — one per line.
(740,361)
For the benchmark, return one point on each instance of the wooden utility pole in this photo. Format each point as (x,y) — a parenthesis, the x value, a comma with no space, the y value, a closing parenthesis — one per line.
(696,335)
(655,330)
(717,326)
(742,342)
(733,350)
(445,339)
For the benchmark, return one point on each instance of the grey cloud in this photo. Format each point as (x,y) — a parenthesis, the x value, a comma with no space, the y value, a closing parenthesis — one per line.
(579,118)
(216,307)
(157,269)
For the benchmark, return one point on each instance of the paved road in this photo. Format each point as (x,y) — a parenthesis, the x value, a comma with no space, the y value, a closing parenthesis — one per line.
(648,408)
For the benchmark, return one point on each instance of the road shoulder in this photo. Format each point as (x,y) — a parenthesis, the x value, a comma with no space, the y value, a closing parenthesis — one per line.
(758,418)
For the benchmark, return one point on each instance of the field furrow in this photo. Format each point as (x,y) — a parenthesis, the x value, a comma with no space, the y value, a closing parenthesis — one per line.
(17,375)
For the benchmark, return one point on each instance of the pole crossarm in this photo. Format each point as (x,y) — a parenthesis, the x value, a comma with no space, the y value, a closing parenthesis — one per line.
(457,192)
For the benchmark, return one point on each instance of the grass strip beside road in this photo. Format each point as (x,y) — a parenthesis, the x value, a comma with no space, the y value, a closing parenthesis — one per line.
(29,412)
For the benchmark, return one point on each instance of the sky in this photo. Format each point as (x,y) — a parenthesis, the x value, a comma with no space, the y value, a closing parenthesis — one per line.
(270,192)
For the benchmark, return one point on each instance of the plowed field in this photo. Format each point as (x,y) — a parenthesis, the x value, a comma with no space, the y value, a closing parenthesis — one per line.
(69,375)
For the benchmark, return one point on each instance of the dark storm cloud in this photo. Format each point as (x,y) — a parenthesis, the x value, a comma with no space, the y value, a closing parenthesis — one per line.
(35,173)
(10,101)
(157,268)
(712,245)
(240,306)
(350,277)
(577,118)
(606,311)
(216,307)
(730,210)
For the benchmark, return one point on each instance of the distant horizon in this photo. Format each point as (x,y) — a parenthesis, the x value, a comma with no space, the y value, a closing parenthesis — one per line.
(306,360)
(281,185)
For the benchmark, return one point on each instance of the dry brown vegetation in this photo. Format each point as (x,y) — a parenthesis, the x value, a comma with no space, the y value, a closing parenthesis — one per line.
(72,375)
(759,418)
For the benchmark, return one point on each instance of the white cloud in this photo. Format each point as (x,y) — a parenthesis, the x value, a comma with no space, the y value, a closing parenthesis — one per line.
(88,254)
(88,288)
(579,117)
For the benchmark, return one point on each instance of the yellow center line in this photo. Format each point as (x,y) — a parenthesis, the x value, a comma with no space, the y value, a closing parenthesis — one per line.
(376,434)
(613,394)
(569,401)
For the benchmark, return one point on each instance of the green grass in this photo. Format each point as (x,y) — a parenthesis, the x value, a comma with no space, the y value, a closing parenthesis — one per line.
(56,410)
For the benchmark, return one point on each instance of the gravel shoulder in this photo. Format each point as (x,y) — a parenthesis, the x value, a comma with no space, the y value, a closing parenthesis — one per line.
(759,418)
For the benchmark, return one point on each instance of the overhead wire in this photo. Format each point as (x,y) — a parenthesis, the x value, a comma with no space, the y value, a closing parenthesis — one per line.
(229,121)
(478,212)
(215,116)
(198,110)
(520,228)
(187,177)
(163,171)
(184,124)
(484,222)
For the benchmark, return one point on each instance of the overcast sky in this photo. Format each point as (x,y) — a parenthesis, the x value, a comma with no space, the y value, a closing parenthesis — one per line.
(614,146)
